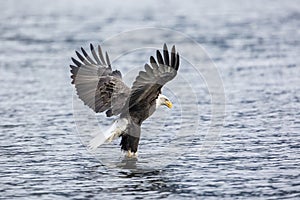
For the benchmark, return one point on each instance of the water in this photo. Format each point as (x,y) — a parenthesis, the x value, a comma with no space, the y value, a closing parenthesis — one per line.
(256,49)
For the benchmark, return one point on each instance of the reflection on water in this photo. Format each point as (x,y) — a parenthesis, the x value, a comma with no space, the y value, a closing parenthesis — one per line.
(128,163)
(256,50)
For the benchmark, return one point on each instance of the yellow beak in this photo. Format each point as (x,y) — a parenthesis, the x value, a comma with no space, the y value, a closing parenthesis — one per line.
(169,104)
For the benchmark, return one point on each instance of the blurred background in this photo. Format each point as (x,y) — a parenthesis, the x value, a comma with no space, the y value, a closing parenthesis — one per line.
(255,46)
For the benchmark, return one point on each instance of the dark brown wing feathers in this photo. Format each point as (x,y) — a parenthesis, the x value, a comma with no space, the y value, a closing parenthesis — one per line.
(147,85)
(96,84)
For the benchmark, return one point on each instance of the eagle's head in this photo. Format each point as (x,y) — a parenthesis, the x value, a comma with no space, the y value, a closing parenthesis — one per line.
(163,100)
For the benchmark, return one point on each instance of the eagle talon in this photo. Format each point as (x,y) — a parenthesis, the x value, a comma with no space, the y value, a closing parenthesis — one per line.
(130,154)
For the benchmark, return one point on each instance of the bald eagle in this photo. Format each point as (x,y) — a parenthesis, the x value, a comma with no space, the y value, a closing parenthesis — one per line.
(101,88)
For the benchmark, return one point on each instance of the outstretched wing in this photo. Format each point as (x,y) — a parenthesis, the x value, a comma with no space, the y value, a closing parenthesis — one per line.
(97,85)
(148,83)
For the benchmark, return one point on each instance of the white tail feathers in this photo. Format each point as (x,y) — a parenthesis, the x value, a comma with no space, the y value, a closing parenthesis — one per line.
(109,135)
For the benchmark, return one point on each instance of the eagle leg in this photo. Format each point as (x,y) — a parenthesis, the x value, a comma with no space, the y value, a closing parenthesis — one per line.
(129,144)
